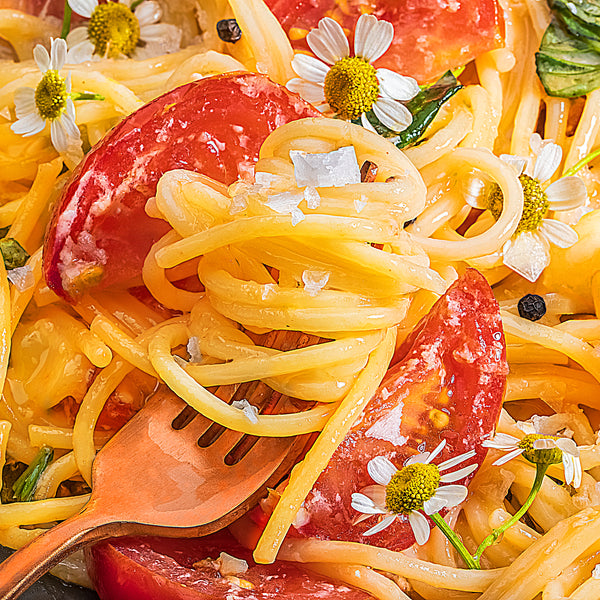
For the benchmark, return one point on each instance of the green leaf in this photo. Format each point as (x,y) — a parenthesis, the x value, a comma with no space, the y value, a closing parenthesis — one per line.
(25,486)
(424,107)
(13,253)
(567,65)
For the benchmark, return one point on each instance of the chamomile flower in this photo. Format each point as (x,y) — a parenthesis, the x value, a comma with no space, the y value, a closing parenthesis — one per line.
(528,251)
(413,488)
(115,29)
(540,449)
(49,101)
(350,86)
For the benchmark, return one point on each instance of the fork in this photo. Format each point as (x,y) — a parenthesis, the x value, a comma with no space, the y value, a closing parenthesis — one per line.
(169,471)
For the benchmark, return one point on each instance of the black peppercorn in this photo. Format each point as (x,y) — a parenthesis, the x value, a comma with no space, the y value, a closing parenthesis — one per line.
(229,31)
(532,307)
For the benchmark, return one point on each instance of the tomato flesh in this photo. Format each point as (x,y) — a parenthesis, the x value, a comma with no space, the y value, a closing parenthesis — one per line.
(162,569)
(430,37)
(100,233)
(446,383)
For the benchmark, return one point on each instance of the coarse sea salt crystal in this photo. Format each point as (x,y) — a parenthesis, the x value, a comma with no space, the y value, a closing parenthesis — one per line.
(238,204)
(596,572)
(266,179)
(297,216)
(314,281)
(360,203)
(326,169)
(312,197)
(21,277)
(284,203)
(248,409)
(193,349)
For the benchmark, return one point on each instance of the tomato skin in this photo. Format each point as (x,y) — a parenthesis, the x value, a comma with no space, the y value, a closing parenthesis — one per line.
(446,382)
(430,37)
(214,126)
(162,569)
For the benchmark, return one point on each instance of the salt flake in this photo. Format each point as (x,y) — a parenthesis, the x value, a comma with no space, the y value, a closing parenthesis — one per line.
(248,409)
(326,169)
(297,216)
(312,197)
(360,203)
(284,203)
(21,277)
(193,349)
(596,572)
(238,204)
(315,281)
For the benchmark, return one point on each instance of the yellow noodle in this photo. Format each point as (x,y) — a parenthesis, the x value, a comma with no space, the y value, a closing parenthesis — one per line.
(41,511)
(60,470)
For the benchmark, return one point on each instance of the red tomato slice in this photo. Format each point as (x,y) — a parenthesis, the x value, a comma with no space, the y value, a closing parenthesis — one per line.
(162,569)
(99,232)
(446,384)
(430,37)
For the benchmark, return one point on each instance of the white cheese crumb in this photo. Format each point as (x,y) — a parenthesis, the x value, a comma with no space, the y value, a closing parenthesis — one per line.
(360,203)
(314,281)
(238,204)
(193,349)
(596,572)
(248,409)
(312,197)
(326,169)
(21,277)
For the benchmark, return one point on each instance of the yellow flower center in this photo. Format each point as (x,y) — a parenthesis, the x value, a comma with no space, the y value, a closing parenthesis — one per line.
(535,203)
(114,30)
(51,95)
(542,456)
(351,87)
(411,487)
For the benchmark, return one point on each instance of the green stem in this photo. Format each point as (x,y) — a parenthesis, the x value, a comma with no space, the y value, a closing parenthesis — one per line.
(66,27)
(584,161)
(135,4)
(540,472)
(454,540)
(24,487)
(86,96)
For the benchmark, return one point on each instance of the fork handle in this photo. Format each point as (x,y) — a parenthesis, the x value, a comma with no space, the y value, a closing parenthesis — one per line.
(28,564)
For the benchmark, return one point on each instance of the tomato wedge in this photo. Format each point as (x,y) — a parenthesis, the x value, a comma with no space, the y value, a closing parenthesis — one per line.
(446,384)
(430,37)
(163,569)
(99,233)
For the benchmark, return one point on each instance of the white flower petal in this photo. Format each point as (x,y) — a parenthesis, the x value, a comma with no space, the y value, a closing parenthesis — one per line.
(396,86)
(85,8)
(24,101)
(148,12)
(323,108)
(573,470)
(41,57)
(518,163)
(501,441)
(543,444)
(381,470)
(558,233)
(527,427)
(372,37)
(535,143)
(419,526)
(310,68)
(456,460)
(460,474)
(436,451)
(504,459)
(58,135)
(568,446)
(381,525)
(70,109)
(376,493)
(366,123)
(71,129)
(76,36)
(311,92)
(79,53)
(365,505)
(58,54)
(159,33)
(29,125)
(328,41)
(422,458)
(547,162)
(434,505)
(452,494)
(392,114)
(527,254)
(567,193)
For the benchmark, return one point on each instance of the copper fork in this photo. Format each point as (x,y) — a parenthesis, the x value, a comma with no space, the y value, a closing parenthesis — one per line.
(153,478)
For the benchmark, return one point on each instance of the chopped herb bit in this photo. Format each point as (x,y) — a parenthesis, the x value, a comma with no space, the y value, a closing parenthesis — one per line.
(12,470)
(532,307)
(25,486)
(229,30)
(13,253)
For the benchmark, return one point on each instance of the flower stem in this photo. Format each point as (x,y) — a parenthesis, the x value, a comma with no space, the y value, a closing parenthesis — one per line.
(86,96)
(66,27)
(455,541)
(584,161)
(540,472)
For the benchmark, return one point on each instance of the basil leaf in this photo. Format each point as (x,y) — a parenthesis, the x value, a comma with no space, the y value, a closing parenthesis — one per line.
(567,65)
(423,107)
